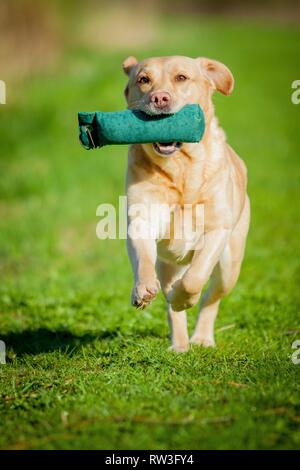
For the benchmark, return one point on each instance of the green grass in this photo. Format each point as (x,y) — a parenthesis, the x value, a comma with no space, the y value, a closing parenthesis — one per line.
(84,369)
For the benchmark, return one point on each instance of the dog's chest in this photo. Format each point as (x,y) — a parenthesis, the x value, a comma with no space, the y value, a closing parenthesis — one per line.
(180,232)
(183,182)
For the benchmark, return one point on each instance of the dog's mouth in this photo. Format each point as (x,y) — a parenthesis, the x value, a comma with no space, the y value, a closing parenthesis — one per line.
(166,148)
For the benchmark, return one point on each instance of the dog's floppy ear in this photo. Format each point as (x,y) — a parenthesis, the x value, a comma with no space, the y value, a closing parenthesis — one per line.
(129,63)
(218,74)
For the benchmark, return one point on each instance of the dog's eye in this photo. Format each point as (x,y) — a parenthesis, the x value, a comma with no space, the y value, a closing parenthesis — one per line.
(181,78)
(143,79)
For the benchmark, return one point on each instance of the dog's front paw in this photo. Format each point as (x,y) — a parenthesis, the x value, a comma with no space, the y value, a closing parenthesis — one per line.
(180,299)
(143,293)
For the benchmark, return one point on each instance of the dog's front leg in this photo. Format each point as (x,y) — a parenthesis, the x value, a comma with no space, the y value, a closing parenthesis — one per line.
(186,291)
(142,254)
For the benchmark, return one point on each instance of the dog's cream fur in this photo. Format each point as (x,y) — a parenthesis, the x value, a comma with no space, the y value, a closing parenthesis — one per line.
(208,173)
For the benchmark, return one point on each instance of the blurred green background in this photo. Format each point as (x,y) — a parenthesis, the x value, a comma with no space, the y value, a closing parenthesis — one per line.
(84,369)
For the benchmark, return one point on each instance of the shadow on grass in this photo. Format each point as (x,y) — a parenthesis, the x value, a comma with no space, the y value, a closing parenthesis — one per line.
(44,340)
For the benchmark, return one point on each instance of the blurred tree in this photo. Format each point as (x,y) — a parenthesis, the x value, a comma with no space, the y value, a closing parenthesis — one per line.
(33,33)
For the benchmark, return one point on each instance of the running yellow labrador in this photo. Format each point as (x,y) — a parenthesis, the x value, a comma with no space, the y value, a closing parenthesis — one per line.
(178,174)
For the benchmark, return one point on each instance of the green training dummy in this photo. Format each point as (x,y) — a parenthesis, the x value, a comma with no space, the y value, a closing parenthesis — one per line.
(135,127)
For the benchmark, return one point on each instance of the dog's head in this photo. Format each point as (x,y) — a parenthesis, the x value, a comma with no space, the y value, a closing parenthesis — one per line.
(163,85)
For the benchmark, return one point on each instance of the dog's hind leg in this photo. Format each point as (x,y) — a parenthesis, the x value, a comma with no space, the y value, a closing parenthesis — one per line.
(223,279)
(168,274)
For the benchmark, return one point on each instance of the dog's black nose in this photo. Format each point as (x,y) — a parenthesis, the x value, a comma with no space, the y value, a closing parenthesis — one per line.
(160,99)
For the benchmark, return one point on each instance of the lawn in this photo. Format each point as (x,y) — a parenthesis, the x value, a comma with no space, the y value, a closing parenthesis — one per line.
(86,370)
